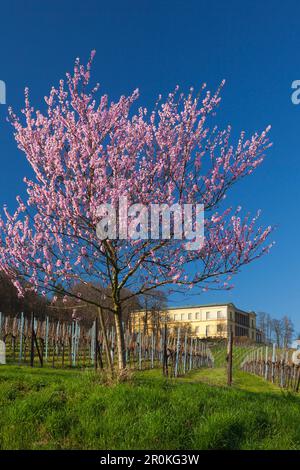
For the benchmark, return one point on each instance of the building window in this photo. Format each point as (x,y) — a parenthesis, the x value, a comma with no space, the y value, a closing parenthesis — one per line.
(182,316)
(190,315)
(197,315)
(242,319)
(240,331)
(220,314)
(197,330)
(208,315)
(207,330)
(176,317)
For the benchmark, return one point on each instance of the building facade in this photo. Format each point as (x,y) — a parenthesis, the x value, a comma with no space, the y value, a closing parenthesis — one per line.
(205,321)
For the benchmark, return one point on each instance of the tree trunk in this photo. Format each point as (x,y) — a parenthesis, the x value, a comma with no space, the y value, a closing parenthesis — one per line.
(120,338)
(105,341)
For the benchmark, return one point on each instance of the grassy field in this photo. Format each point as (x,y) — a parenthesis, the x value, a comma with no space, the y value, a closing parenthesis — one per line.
(68,409)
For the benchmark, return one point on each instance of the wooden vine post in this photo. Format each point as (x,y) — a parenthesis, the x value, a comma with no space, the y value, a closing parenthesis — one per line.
(229,358)
(165,352)
(96,344)
(177,352)
(21,338)
(32,341)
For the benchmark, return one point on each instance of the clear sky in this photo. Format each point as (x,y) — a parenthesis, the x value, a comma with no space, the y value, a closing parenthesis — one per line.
(154,45)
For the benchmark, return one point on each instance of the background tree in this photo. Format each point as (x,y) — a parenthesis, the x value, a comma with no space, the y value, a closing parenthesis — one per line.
(88,296)
(84,153)
(278,331)
(221,329)
(262,323)
(288,331)
(12,304)
(153,304)
(266,325)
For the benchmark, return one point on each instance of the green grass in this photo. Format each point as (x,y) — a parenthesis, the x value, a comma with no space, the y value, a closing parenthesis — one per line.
(66,409)
(219,351)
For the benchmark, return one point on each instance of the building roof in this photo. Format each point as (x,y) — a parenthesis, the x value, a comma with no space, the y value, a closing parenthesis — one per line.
(201,306)
(227,304)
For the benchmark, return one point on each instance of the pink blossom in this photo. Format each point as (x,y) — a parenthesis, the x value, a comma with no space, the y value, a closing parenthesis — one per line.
(86,151)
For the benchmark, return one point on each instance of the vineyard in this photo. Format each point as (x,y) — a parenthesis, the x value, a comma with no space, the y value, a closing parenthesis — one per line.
(280,367)
(240,351)
(61,344)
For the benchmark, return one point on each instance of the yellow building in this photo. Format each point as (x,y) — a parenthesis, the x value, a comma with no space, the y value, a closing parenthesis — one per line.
(203,321)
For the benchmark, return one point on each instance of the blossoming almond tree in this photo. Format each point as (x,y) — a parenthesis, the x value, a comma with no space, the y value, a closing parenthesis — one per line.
(85,153)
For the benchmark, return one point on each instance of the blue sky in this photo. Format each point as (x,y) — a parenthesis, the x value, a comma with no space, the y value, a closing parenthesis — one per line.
(154,45)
